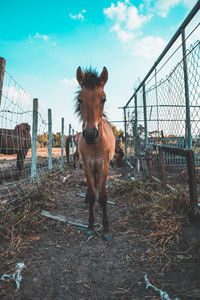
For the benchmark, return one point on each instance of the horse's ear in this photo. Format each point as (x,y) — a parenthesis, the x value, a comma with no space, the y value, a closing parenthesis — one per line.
(103,76)
(80,76)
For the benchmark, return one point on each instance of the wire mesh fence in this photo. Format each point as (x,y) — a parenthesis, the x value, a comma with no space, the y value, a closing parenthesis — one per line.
(164,111)
(19,168)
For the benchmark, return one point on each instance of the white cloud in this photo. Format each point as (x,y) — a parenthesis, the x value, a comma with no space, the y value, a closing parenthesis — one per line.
(44,37)
(134,20)
(127,19)
(123,35)
(117,12)
(149,47)
(163,6)
(78,16)
(41,36)
(71,81)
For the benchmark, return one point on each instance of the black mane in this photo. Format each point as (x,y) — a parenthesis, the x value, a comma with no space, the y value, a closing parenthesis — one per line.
(91,79)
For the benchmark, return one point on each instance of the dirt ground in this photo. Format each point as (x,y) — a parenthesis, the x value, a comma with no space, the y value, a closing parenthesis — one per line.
(61,263)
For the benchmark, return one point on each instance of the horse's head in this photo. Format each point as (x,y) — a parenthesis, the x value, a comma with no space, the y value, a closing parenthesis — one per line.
(23,127)
(90,102)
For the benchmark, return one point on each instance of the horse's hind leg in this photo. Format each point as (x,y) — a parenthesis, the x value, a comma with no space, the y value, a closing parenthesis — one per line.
(103,203)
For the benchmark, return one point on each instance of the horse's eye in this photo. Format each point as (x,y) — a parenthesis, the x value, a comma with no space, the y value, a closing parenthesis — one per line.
(79,100)
(104,100)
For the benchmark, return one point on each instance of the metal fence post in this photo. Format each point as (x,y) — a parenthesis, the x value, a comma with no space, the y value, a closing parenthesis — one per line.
(70,128)
(72,142)
(2,71)
(192,180)
(50,138)
(187,99)
(62,140)
(145,114)
(34,139)
(125,133)
(137,154)
(156,91)
(136,118)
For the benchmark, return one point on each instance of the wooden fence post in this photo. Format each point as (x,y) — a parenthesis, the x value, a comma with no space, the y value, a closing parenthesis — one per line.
(62,140)
(70,128)
(73,143)
(2,71)
(50,138)
(34,138)
(192,180)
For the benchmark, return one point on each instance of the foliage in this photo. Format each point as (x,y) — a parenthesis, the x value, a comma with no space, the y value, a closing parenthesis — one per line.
(117,133)
(42,140)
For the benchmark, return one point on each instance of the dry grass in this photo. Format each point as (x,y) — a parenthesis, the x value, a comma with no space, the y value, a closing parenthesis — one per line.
(20,220)
(160,215)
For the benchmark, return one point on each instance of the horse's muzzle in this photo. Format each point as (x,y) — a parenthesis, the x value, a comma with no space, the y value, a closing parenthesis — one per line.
(91,135)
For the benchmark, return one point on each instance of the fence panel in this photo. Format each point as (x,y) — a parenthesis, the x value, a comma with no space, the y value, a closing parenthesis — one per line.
(164,110)
(28,148)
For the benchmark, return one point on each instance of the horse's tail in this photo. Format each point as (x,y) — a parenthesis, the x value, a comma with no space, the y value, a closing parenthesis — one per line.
(67,142)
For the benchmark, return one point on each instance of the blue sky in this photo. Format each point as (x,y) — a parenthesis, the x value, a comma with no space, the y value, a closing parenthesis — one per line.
(44,42)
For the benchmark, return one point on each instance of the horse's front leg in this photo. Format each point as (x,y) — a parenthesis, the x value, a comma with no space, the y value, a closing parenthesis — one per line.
(90,199)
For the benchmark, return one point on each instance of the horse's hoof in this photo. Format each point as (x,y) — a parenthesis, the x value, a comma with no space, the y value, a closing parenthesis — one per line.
(89,233)
(84,205)
(107,237)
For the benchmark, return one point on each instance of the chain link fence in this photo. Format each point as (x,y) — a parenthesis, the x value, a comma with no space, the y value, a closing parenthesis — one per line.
(163,113)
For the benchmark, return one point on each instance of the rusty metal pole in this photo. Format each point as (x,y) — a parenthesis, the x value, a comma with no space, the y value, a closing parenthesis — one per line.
(192,180)
(162,166)
(2,72)
(125,134)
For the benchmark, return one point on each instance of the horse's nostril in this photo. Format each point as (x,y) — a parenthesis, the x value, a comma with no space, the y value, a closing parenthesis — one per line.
(83,133)
(97,133)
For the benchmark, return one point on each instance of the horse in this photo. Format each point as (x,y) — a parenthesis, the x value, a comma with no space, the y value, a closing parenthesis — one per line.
(16,141)
(119,154)
(76,156)
(96,144)
(69,139)
(67,143)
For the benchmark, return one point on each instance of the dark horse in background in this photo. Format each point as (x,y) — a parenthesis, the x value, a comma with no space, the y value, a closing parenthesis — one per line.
(76,157)
(119,155)
(16,141)
(96,144)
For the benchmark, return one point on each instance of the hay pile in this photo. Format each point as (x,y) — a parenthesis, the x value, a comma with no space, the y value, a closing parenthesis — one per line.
(159,218)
